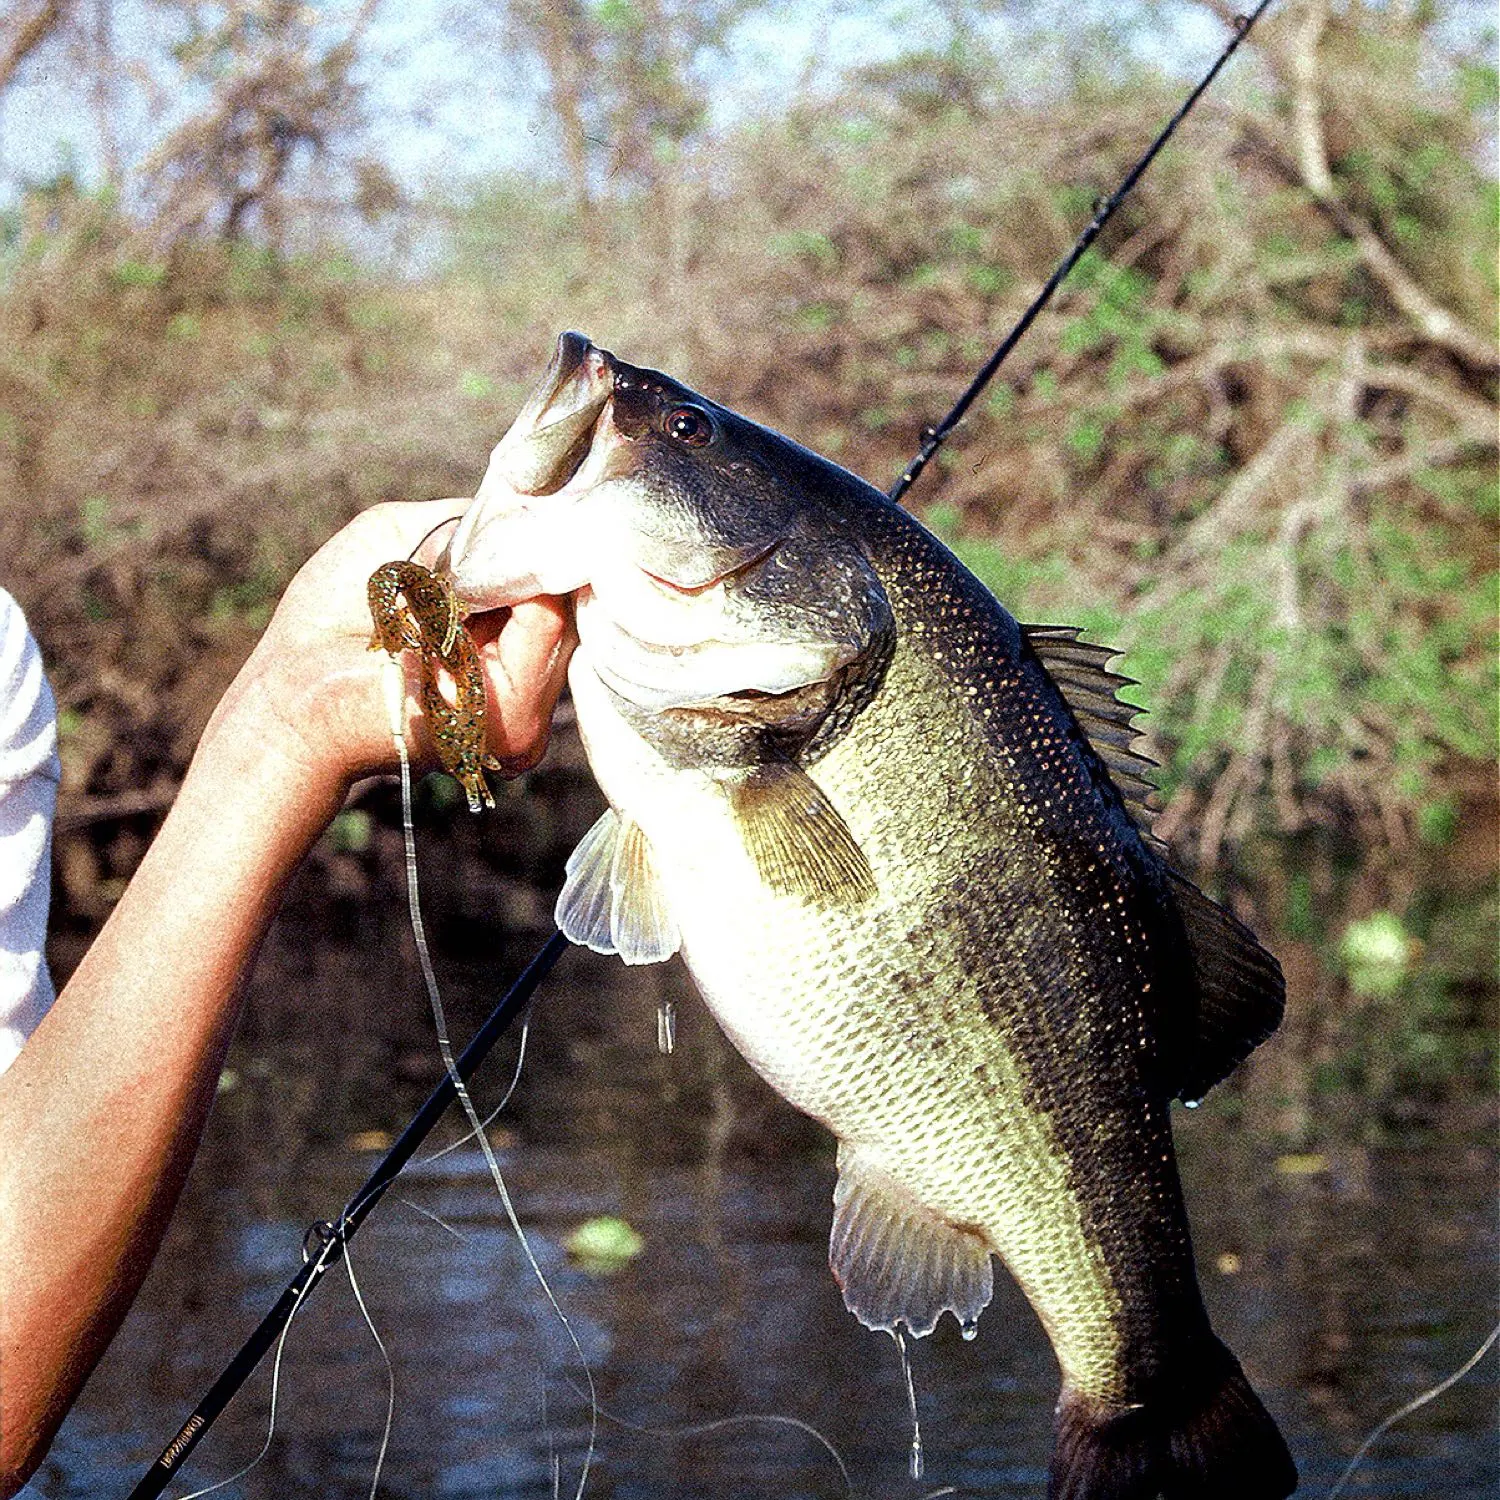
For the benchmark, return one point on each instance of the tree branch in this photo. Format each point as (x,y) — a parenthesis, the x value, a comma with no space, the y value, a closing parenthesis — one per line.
(1435,321)
(30,34)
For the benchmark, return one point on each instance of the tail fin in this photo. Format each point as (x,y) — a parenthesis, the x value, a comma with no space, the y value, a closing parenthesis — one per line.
(1207,1439)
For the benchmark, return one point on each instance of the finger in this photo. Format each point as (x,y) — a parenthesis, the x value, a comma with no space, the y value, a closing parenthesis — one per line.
(526,668)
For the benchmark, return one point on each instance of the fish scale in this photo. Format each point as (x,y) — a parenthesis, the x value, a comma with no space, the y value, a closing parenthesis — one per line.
(850,1061)
(894,853)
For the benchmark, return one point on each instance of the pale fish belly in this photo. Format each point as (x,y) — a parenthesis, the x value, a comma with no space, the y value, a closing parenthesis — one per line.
(824,1006)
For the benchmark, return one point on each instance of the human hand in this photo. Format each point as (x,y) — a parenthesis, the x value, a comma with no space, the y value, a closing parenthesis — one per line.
(314,684)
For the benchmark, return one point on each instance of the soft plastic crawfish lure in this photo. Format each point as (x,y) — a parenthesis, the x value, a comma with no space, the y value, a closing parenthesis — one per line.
(415,609)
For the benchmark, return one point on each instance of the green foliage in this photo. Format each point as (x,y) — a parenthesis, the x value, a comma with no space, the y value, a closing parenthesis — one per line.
(1377,952)
(1227,449)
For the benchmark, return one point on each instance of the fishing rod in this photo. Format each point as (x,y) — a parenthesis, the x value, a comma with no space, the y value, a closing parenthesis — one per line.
(324,1241)
(934,437)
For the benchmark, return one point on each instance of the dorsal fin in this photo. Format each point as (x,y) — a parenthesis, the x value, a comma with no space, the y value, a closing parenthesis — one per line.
(1080,672)
(1240,991)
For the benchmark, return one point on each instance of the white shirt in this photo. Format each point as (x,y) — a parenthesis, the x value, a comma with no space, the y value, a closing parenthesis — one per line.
(29,773)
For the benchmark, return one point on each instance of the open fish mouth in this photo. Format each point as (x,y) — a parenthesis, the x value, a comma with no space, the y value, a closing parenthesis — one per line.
(571,393)
(546,445)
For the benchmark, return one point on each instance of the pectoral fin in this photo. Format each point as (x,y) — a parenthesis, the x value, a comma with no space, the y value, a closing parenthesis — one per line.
(797,839)
(641,925)
(896,1260)
(611,900)
(583,905)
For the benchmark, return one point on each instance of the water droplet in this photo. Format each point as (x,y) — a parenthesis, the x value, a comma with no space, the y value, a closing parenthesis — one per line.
(666,1028)
(1100,204)
(1241,23)
(1191,1103)
(970,1330)
(917,1463)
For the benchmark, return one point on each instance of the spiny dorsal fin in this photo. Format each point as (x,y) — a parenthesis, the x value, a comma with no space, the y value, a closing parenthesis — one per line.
(611,900)
(1080,671)
(1240,990)
(797,839)
(896,1260)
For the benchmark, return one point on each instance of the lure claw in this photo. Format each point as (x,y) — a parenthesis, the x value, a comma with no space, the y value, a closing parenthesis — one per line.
(415,609)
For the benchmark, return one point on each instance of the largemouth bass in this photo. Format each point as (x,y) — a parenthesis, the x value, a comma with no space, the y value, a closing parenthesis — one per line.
(900,841)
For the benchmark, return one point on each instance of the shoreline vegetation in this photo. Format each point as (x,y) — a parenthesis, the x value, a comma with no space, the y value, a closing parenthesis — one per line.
(1253,444)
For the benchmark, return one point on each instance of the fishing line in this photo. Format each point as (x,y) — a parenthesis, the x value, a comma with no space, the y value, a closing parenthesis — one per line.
(489,1119)
(691,1429)
(428,536)
(739,1419)
(934,437)
(324,1252)
(390,1373)
(1415,1404)
(437,1219)
(394,680)
(554,1464)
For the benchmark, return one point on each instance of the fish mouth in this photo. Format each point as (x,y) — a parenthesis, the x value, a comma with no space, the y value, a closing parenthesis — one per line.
(574,388)
(695,584)
(547,444)
(741,679)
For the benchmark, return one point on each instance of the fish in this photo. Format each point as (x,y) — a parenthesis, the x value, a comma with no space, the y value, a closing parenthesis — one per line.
(903,844)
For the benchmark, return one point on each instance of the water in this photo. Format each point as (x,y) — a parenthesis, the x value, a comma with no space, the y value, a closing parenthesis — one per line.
(1346,1287)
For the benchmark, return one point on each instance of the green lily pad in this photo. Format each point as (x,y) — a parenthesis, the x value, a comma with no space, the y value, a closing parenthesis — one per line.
(604,1244)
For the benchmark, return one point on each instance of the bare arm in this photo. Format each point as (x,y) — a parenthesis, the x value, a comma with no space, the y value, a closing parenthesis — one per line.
(101,1113)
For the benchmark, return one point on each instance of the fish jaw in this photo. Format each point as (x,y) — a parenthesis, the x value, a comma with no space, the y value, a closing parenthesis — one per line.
(545,444)
(693,652)
(516,540)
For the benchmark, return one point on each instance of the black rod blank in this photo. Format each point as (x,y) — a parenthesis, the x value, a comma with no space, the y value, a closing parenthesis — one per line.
(933,438)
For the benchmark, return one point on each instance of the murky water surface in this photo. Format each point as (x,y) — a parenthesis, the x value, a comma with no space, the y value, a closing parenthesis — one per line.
(1346,1284)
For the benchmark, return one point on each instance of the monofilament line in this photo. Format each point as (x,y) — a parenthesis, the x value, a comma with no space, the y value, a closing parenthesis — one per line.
(934,437)
(325,1251)
(394,680)
(1415,1404)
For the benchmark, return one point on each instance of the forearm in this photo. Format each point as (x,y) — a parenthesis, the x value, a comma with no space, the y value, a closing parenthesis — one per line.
(101,1113)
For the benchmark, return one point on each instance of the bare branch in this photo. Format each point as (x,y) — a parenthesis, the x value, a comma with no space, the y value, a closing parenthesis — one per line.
(31,32)
(1211,530)
(1435,321)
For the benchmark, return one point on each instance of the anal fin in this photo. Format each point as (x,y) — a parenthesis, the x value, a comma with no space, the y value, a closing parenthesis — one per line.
(798,840)
(611,900)
(898,1262)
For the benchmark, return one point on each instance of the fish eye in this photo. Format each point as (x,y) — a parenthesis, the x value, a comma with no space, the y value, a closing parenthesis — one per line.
(689,425)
